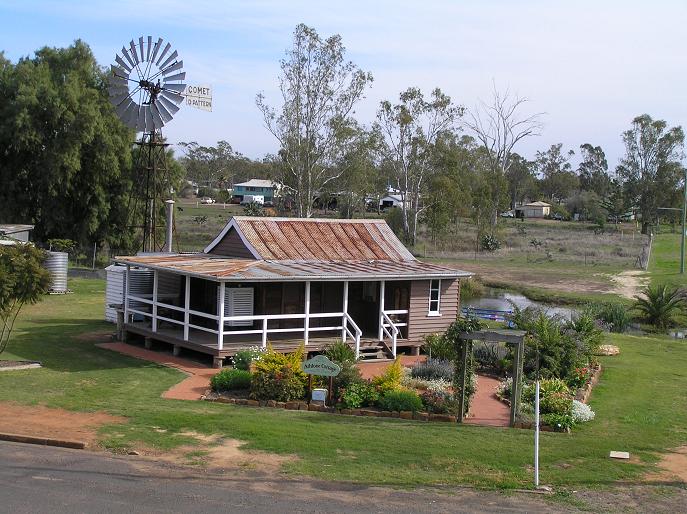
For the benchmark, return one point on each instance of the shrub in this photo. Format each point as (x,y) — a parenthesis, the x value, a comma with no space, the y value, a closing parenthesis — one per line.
(559,422)
(471,288)
(433,369)
(440,402)
(230,380)
(659,305)
(489,243)
(401,400)
(556,403)
(487,356)
(546,387)
(358,394)
(390,380)
(245,356)
(344,356)
(579,378)
(616,315)
(581,412)
(278,376)
(438,346)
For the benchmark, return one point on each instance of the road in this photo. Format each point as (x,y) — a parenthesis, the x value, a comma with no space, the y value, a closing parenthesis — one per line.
(36,479)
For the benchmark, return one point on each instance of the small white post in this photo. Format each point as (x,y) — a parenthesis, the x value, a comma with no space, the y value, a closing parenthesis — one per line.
(357,345)
(155,285)
(536,434)
(306,321)
(220,314)
(344,321)
(264,332)
(187,306)
(126,293)
(381,310)
(393,343)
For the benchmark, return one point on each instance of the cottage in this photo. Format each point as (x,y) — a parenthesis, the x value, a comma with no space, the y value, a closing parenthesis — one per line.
(255,187)
(533,210)
(291,281)
(20,233)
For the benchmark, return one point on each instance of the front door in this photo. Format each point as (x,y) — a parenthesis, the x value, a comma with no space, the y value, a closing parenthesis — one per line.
(363,306)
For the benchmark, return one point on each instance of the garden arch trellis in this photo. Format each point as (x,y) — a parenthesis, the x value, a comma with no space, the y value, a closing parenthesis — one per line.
(514,338)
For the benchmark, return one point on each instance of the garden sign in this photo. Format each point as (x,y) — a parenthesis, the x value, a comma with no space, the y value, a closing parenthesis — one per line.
(321,366)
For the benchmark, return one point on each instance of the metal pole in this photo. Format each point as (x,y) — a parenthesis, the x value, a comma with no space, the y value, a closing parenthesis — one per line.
(170,225)
(536,434)
(684,215)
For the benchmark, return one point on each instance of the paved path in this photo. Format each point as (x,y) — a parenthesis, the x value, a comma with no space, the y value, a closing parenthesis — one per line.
(191,388)
(486,408)
(55,480)
(375,368)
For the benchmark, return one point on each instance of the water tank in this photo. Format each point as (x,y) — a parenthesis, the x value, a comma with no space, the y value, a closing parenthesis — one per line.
(56,264)
(114,291)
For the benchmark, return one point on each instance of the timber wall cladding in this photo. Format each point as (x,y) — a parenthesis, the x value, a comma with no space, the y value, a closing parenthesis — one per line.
(232,246)
(420,324)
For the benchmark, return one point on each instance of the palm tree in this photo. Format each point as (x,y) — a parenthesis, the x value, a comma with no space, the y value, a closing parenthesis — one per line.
(658,305)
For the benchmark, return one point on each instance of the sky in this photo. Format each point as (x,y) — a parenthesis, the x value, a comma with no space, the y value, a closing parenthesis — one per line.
(589,66)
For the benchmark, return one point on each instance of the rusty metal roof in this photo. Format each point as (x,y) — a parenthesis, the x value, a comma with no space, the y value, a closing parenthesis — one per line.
(232,270)
(311,239)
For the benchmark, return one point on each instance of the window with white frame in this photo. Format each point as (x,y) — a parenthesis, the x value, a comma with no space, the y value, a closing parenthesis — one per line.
(434,297)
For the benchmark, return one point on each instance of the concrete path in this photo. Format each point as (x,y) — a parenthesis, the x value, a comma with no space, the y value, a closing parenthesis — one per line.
(191,388)
(486,408)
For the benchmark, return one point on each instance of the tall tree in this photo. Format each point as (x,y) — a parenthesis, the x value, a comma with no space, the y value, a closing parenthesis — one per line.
(521,179)
(499,126)
(651,166)
(410,130)
(319,90)
(593,170)
(210,166)
(558,180)
(66,157)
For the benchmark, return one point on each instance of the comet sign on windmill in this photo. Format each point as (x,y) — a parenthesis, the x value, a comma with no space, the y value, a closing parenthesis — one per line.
(199,97)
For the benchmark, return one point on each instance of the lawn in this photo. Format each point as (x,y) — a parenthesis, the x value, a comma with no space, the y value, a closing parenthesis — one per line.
(665,261)
(641,406)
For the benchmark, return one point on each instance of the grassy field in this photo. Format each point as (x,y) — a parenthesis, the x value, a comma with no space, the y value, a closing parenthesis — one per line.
(641,406)
(665,261)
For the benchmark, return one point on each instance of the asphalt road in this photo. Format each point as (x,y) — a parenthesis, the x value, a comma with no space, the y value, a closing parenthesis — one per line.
(35,479)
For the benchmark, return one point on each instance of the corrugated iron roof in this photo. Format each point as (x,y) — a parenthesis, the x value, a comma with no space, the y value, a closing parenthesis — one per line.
(229,269)
(310,239)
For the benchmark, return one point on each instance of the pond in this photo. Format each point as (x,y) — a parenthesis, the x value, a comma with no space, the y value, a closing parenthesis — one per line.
(500,300)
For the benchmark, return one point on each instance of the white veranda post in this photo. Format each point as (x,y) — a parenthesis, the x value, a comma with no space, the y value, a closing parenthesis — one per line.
(306,321)
(155,287)
(127,276)
(220,314)
(381,310)
(344,309)
(187,306)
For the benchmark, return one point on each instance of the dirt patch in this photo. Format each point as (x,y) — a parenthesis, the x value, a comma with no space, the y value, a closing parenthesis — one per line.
(673,466)
(629,283)
(42,421)
(216,453)
(99,336)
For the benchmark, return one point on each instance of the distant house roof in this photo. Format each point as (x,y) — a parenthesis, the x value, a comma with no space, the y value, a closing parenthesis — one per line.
(9,229)
(537,204)
(257,182)
(313,239)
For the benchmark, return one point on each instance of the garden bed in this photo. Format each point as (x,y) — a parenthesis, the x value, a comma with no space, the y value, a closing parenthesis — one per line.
(312,407)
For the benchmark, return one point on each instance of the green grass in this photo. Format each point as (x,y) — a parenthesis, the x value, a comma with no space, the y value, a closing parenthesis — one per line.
(664,266)
(641,406)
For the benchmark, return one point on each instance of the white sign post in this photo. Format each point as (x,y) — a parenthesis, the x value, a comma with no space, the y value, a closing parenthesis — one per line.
(199,97)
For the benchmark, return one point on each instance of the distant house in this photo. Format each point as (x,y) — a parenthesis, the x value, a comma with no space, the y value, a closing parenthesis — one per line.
(533,210)
(16,232)
(390,200)
(290,281)
(255,187)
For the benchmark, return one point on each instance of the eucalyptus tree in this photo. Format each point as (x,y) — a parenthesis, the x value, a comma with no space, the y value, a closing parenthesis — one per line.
(499,126)
(651,168)
(593,170)
(409,132)
(319,90)
(558,180)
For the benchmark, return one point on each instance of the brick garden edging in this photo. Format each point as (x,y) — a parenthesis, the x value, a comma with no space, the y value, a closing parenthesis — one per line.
(583,393)
(408,415)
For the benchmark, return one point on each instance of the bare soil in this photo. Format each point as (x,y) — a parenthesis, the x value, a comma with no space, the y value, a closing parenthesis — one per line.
(40,421)
(629,283)
(218,454)
(673,467)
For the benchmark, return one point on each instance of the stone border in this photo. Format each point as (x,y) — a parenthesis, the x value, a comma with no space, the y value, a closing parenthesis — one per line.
(583,393)
(21,365)
(44,441)
(300,405)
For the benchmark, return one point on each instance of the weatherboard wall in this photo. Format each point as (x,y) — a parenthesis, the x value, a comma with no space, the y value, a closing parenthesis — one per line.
(420,323)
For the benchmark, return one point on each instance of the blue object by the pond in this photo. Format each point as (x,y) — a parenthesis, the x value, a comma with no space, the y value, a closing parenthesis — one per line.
(490,314)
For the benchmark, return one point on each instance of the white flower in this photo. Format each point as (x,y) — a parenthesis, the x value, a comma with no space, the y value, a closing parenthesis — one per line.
(581,412)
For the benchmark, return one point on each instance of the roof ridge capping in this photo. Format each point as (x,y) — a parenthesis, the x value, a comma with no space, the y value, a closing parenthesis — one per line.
(312,220)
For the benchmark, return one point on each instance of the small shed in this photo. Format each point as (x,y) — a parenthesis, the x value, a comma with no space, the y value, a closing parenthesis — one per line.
(533,210)
(390,201)
(17,232)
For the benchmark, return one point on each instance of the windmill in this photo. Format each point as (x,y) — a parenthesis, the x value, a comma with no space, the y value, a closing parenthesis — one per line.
(146,88)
